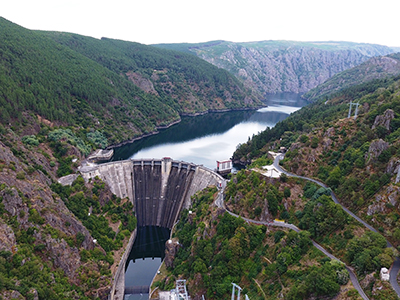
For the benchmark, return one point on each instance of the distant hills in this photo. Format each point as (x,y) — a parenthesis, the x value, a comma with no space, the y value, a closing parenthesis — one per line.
(373,69)
(283,66)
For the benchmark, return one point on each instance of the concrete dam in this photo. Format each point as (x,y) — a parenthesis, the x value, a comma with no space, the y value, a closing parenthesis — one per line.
(158,189)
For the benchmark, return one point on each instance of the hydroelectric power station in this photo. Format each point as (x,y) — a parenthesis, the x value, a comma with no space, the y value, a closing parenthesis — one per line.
(158,189)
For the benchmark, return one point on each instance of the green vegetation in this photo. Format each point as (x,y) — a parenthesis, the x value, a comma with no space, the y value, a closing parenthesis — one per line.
(246,194)
(266,264)
(80,201)
(68,136)
(88,83)
(357,159)
(263,65)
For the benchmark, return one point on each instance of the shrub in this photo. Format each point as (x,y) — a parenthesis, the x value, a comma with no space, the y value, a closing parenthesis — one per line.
(21,175)
(30,140)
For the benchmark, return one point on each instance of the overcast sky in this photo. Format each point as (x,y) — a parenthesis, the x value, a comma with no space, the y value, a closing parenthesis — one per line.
(175,21)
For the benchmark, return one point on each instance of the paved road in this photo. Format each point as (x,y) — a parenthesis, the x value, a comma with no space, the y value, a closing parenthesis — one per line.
(353,276)
(396,265)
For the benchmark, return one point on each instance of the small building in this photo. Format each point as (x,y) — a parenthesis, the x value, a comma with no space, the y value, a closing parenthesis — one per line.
(385,274)
(224,166)
(100,155)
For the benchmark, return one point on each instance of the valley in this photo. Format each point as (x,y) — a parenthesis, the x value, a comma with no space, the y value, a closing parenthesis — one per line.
(64,95)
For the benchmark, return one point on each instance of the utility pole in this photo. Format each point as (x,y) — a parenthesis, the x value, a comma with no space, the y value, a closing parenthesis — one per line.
(349,114)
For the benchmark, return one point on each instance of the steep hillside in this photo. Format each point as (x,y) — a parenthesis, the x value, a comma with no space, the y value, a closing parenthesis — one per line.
(56,106)
(50,246)
(283,66)
(211,249)
(184,82)
(42,77)
(374,68)
(358,158)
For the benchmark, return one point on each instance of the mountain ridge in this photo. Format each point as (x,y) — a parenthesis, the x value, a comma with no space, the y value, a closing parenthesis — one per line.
(283,66)
(375,68)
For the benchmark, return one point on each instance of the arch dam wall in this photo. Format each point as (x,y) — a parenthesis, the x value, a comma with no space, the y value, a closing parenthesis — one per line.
(158,189)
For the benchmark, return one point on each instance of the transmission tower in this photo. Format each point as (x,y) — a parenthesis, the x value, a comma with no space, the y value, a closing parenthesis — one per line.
(356,111)
(180,290)
(235,286)
(233,291)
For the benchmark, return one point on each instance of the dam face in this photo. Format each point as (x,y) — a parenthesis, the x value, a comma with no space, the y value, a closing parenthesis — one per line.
(158,189)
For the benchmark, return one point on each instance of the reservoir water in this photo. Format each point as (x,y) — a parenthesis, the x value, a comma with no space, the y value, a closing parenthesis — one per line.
(211,137)
(202,140)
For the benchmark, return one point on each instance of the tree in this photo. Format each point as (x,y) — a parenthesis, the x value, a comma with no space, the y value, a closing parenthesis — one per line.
(272,203)
(286,192)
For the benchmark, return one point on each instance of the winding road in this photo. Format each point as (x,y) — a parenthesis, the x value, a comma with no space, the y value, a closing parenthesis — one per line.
(395,267)
(394,270)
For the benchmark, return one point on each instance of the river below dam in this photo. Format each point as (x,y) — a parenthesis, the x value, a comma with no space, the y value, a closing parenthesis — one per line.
(201,140)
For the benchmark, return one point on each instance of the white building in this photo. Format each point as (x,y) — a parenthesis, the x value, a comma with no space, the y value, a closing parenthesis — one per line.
(385,274)
(224,166)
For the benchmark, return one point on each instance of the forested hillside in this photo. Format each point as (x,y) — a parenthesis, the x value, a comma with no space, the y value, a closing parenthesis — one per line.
(51,81)
(213,249)
(186,83)
(283,66)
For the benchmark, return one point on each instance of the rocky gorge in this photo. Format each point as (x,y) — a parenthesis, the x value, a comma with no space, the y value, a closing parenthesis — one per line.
(284,66)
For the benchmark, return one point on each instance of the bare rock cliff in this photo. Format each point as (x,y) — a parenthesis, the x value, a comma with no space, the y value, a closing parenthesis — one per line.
(273,66)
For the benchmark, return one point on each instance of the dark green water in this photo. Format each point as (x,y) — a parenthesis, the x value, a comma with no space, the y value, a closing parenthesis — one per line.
(215,136)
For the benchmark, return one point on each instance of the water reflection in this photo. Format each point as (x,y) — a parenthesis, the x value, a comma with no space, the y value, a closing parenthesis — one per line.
(205,139)
(145,257)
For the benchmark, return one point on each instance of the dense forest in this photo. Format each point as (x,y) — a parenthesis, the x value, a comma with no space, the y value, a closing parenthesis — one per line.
(99,84)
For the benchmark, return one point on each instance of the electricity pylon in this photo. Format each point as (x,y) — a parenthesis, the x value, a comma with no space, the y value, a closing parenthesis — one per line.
(235,286)
(356,111)
(180,290)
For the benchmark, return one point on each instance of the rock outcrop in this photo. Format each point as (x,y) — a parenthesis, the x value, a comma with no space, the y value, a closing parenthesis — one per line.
(375,149)
(7,237)
(372,69)
(384,120)
(171,248)
(143,83)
